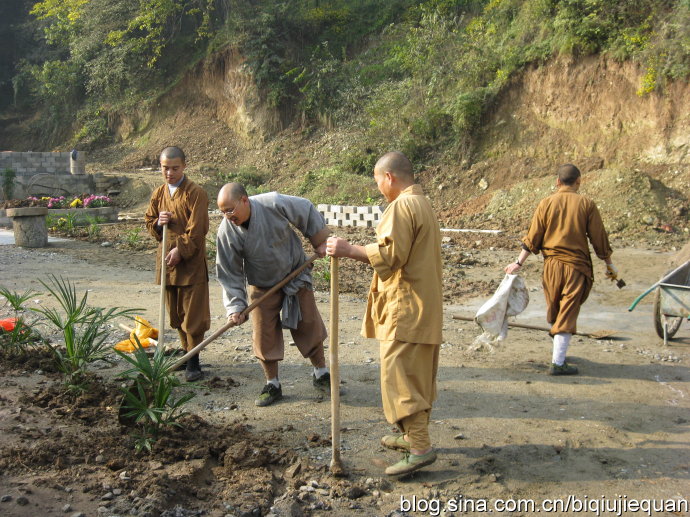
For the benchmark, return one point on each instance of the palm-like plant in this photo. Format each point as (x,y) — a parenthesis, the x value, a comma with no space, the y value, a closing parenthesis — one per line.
(83,328)
(149,402)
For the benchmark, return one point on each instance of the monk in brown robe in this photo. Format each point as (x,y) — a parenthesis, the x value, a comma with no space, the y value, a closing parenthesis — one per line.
(404,307)
(183,206)
(560,229)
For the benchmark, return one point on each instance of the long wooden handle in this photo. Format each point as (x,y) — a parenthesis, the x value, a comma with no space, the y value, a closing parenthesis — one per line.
(336,465)
(533,327)
(194,351)
(161,318)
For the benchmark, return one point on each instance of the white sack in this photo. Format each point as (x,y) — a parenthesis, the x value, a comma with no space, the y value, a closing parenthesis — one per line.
(510,299)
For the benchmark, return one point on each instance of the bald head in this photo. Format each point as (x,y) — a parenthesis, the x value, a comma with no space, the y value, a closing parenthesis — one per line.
(568,174)
(231,192)
(397,164)
(173,152)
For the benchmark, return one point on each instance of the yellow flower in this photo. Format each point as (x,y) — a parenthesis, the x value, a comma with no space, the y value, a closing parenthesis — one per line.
(77,202)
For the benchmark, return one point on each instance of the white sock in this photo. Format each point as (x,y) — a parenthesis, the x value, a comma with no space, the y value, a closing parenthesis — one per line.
(560,347)
(275,382)
(320,372)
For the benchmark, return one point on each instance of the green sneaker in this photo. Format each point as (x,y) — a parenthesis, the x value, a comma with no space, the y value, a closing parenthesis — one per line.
(396,442)
(323,383)
(410,463)
(563,369)
(269,395)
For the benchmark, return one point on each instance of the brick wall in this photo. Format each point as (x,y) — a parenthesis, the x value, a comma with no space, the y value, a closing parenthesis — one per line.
(48,174)
(342,215)
(29,164)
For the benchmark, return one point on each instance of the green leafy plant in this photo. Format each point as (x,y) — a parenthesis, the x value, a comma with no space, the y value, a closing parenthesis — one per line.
(133,236)
(23,335)
(8,176)
(84,331)
(322,272)
(94,231)
(211,249)
(149,402)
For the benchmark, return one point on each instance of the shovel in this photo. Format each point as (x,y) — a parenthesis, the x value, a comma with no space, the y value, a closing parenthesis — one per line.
(336,464)
(600,334)
(194,351)
(164,271)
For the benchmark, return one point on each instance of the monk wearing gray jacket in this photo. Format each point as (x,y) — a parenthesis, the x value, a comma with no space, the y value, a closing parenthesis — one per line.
(257,246)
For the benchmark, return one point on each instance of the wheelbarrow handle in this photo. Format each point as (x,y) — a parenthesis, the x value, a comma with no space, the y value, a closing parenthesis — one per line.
(637,300)
(194,351)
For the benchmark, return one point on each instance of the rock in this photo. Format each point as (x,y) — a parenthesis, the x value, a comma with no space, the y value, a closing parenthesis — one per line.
(459,436)
(117,491)
(106,244)
(22,501)
(67,508)
(446,239)
(355,492)
(78,514)
(5,499)
(107,497)
(483,184)
(100,458)
(287,508)
(293,470)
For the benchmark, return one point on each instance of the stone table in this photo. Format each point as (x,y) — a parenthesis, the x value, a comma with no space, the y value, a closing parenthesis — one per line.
(29,224)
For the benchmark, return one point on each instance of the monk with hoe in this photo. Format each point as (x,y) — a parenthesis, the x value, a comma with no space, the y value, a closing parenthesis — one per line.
(404,308)
(560,229)
(183,207)
(256,245)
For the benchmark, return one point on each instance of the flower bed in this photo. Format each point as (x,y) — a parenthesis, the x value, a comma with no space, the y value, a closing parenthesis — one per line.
(85,209)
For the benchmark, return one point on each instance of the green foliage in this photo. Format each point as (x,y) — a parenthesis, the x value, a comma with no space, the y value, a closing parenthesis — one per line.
(94,231)
(150,402)
(8,176)
(84,331)
(418,76)
(251,177)
(133,236)
(334,186)
(19,339)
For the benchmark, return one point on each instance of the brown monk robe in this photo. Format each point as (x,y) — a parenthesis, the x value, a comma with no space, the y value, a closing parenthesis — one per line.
(404,307)
(186,289)
(562,227)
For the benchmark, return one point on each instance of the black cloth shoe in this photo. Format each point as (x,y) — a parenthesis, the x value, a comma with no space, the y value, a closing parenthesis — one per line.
(322,383)
(193,370)
(269,395)
(563,369)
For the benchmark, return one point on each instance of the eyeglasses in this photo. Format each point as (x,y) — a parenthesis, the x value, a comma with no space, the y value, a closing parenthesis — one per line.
(230,213)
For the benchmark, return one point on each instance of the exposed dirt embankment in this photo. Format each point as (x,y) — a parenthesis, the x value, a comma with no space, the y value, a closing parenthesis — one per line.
(585,112)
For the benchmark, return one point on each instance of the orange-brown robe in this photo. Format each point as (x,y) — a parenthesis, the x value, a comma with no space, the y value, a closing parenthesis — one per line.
(187,282)
(405,310)
(561,227)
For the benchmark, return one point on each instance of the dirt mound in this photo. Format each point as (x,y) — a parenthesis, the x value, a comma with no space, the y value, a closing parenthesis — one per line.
(632,204)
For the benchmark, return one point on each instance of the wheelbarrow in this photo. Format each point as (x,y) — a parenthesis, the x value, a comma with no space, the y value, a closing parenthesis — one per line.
(671,301)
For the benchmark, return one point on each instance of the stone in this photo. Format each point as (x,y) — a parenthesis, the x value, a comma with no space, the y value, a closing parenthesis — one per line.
(29,224)
(483,184)
(67,508)
(5,499)
(22,501)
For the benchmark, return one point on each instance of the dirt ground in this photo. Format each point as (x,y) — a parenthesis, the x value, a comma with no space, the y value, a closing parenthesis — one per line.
(504,429)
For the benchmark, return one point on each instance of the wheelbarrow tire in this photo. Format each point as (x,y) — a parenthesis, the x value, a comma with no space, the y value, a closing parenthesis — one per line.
(672,322)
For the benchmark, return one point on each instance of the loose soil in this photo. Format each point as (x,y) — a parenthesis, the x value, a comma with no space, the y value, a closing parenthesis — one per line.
(502,427)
